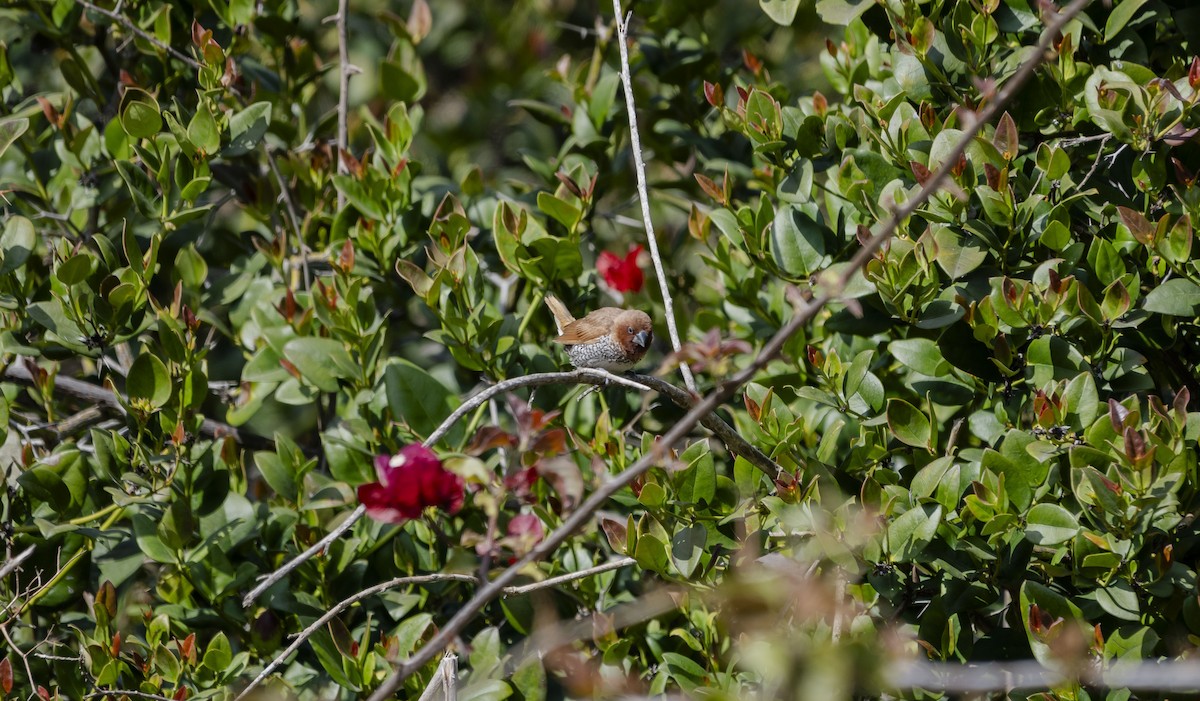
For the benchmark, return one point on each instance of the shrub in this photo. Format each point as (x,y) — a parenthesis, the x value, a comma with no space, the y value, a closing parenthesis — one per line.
(216,321)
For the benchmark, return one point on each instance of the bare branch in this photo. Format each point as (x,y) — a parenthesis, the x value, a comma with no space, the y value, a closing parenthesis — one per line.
(104,399)
(591,376)
(805,313)
(118,693)
(293,214)
(344,72)
(305,556)
(128,24)
(15,562)
(569,577)
(639,166)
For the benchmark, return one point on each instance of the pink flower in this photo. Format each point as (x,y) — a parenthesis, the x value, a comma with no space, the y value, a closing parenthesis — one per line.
(621,274)
(408,482)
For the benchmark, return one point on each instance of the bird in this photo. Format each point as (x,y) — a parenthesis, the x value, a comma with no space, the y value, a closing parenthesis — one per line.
(609,338)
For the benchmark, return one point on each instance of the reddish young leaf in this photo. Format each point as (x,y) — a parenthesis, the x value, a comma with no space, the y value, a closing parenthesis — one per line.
(714,94)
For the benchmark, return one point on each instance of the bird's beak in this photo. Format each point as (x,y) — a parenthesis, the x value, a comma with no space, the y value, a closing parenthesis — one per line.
(642,339)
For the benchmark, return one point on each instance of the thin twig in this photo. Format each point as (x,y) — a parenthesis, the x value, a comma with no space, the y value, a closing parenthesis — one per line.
(342,605)
(569,577)
(305,556)
(15,562)
(23,655)
(644,194)
(343,94)
(103,398)
(1095,163)
(591,376)
(293,214)
(118,693)
(805,313)
(128,24)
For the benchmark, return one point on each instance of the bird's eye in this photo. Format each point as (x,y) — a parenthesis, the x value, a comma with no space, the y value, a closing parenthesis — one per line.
(630,329)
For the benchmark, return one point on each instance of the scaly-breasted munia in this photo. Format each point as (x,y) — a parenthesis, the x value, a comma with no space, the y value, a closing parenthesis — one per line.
(609,338)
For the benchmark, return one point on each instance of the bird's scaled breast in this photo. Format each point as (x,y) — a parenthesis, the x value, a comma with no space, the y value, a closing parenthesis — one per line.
(604,353)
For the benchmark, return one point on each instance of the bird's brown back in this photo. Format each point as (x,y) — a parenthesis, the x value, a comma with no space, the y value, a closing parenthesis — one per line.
(595,325)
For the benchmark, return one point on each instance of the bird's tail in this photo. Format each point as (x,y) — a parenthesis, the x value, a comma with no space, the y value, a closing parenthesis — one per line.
(562,317)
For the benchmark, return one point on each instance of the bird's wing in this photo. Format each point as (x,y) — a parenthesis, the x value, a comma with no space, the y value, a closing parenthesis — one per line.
(590,328)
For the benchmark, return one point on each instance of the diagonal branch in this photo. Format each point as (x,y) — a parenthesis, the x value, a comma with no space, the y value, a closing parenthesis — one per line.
(639,167)
(804,314)
(128,24)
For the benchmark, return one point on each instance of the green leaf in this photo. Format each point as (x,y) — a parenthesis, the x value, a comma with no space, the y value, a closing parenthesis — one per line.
(11,129)
(145,533)
(16,244)
(1050,524)
(1175,297)
(46,485)
(698,481)
(912,531)
(246,128)
(842,12)
(687,546)
(359,196)
(958,255)
(140,114)
(780,11)
(920,354)
(148,381)
(797,242)
(277,474)
(1119,600)
(560,210)
(203,132)
(75,269)
(218,655)
(909,424)
(1131,642)
(651,554)
(417,399)
(1120,16)
(321,361)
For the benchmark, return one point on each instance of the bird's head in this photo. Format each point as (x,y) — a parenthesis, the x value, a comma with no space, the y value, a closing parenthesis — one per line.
(633,332)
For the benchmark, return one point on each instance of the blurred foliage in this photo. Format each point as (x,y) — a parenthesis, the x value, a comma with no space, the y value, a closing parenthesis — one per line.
(990,440)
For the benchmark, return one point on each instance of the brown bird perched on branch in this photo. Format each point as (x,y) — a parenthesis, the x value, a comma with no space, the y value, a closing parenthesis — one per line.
(609,338)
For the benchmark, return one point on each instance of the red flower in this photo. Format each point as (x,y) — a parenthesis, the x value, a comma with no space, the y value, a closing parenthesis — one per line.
(621,274)
(408,482)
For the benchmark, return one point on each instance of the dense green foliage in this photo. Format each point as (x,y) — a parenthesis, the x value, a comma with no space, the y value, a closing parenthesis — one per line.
(990,439)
